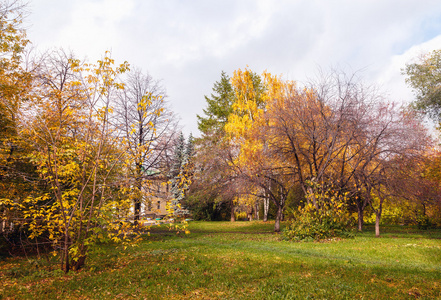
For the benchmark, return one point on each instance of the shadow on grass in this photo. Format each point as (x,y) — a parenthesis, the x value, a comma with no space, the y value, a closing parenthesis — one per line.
(400,231)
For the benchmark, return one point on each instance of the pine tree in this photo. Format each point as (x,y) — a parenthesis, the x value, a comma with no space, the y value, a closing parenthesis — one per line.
(178,156)
(189,150)
(219,106)
(179,174)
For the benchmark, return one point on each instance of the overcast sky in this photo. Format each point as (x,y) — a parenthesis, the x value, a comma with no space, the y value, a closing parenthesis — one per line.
(187,43)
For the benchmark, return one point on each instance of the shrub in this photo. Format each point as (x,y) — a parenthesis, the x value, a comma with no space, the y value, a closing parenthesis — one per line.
(423,221)
(327,219)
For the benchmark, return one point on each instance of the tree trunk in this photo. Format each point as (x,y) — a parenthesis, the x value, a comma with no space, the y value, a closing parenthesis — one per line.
(138,199)
(378,217)
(79,263)
(233,216)
(377,224)
(256,210)
(137,211)
(278,218)
(360,218)
(249,209)
(66,254)
(265,209)
(314,200)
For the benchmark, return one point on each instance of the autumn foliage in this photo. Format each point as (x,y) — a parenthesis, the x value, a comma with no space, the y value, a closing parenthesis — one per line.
(336,133)
(74,161)
(81,144)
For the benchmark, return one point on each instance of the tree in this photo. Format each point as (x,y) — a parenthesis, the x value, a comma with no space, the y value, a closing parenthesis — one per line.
(425,78)
(149,127)
(252,160)
(15,82)
(213,188)
(425,188)
(334,134)
(219,106)
(181,173)
(17,175)
(215,177)
(176,173)
(76,151)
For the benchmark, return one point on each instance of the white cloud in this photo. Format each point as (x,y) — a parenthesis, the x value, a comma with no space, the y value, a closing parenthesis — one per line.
(392,79)
(188,43)
(87,27)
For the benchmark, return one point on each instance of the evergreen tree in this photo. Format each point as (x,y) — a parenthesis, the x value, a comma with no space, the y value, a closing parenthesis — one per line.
(189,149)
(215,147)
(178,156)
(219,106)
(180,173)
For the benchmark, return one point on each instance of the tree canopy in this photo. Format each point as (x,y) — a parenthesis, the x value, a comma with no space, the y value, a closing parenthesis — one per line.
(424,76)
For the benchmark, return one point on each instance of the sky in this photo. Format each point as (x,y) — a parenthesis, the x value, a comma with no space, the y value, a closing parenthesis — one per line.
(186,44)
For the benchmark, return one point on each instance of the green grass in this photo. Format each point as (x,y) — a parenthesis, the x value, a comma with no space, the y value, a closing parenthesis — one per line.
(242,260)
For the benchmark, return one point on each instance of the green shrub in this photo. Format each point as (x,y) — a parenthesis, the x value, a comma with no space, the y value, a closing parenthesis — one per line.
(207,209)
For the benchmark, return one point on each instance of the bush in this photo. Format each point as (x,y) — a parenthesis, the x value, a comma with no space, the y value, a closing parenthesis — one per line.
(207,209)
(423,222)
(328,219)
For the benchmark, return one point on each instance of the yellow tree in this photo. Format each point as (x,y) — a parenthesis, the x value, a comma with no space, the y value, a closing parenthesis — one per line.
(17,178)
(427,192)
(76,150)
(247,111)
(14,80)
(249,133)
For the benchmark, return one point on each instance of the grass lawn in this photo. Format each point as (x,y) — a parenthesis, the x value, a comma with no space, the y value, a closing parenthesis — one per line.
(241,260)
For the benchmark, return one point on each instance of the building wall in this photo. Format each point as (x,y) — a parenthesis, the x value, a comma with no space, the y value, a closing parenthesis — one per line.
(156,203)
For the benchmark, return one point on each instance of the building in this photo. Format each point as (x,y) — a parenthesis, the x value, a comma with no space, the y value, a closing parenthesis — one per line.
(157,197)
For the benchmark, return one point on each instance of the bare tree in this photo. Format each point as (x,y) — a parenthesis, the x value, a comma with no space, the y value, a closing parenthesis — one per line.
(213,177)
(149,127)
(393,138)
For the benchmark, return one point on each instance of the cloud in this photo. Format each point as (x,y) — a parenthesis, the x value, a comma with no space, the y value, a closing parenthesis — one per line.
(188,43)
(87,27)
(392,78)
